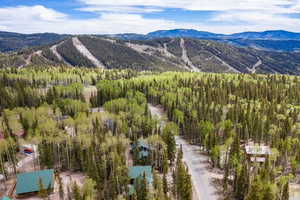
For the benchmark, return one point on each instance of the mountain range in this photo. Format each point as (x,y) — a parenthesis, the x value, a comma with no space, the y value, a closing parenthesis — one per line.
(177,50)
(277,40)
(191,33)
(160,54)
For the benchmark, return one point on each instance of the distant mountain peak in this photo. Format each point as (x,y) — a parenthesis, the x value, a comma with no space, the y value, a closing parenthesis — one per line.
(192,33)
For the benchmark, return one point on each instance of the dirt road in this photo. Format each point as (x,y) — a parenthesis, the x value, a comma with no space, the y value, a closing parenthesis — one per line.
(195,161)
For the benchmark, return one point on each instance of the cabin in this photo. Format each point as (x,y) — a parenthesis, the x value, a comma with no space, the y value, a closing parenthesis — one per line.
(257,153)
(141,146)
(29,183)
(142,149)
(28,148)
(136,172)
(96,110)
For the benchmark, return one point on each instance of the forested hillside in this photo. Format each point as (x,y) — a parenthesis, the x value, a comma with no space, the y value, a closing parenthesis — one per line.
(277,40)
(16,41)
(165,54)
(93,121)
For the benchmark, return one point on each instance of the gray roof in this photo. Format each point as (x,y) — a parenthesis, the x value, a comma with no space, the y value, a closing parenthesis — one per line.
(257,150)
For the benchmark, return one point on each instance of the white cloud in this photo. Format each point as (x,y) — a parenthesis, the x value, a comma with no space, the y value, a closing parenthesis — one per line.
(119,9)
(234,15)
(126,16)
(200,5)
(34,12)
(259,21)
(28,19)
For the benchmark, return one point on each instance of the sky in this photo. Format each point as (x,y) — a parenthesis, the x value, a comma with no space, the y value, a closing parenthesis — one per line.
(143,16)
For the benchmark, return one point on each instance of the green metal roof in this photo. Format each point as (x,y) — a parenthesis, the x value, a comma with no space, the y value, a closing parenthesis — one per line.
(5,198)
(29,182)
(138,171)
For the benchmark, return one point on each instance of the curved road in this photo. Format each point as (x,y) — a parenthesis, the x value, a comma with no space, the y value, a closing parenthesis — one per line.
(195,161)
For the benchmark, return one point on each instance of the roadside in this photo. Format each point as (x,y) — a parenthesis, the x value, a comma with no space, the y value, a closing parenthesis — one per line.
(196,162)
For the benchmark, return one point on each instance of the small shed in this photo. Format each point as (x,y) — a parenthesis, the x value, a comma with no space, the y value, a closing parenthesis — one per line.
(257,153)
(28,183)
(141,146)
(97,110)
(139,171)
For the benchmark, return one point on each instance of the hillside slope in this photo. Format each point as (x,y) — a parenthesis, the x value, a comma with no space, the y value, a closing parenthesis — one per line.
(180,54)
(16,41)
(277,40)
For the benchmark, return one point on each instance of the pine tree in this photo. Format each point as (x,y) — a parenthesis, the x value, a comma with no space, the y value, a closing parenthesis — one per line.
(165,184)
(42,190)
(242,184)
(89,189)
(285,192)
(142,188)
(61,188)
(169,132)
(256,191)
(76,192)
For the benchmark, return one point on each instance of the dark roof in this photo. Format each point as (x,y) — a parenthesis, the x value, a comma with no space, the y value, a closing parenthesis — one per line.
(29,182)
(141,144)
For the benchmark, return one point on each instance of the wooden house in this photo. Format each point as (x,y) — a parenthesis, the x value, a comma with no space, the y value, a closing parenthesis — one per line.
(29,183)
(257,153)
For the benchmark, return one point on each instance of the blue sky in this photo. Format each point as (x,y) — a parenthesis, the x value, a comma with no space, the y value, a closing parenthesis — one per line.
(143,16)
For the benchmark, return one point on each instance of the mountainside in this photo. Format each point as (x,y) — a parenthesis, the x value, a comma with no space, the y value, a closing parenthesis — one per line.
(16,41)
(180,54)
(267,40)
(191,33)
(273,35)
(268,45)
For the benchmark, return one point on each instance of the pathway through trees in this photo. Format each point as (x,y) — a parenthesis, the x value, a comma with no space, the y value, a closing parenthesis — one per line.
(196,162)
